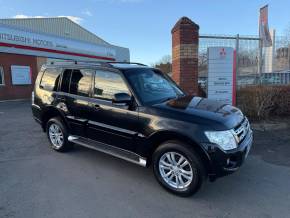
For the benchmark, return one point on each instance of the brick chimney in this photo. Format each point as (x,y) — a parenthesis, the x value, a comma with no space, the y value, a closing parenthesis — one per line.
(185,55)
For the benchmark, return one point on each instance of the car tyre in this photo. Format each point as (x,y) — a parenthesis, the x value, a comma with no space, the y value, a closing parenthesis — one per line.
(178,168)
(58,135)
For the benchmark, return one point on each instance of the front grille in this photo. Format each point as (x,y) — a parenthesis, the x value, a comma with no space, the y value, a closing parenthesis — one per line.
(241,130)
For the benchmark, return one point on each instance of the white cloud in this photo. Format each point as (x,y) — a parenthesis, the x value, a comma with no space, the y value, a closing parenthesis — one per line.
(75,19)
(87,12)
(19,16)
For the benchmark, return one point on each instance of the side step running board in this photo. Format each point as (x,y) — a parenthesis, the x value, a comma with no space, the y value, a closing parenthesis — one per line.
(108,149)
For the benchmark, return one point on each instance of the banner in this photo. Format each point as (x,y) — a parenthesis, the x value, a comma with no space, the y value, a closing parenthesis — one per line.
(264,28)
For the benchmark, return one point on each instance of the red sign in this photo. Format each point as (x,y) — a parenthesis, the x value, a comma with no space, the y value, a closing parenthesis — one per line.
(264,28)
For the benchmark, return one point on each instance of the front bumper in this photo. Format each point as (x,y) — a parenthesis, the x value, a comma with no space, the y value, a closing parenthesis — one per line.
(226,162)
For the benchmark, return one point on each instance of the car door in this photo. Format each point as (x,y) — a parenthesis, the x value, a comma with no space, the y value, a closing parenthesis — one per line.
(74,95)
(110,123)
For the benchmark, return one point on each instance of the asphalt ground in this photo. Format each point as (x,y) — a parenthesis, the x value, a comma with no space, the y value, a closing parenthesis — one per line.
(36,181)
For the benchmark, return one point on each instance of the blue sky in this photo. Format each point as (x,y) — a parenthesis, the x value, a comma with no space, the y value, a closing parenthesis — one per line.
(144,25)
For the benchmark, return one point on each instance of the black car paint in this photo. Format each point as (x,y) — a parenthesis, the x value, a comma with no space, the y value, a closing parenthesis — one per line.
(136,127)
(202,111)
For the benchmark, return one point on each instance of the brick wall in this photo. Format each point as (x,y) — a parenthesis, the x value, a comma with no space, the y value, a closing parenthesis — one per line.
(185,36)
(9,91)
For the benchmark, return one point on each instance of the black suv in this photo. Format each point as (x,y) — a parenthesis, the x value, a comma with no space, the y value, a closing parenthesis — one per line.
(139,114)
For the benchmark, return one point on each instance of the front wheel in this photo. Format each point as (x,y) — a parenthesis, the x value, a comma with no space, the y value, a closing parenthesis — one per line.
(178,168)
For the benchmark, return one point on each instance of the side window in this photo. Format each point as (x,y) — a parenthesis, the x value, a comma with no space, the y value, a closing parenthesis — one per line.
(80,83)
(66,75)
(50,79)
(107,84)
(1,76)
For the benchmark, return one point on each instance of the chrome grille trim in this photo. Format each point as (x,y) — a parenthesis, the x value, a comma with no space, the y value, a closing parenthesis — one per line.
(241,130)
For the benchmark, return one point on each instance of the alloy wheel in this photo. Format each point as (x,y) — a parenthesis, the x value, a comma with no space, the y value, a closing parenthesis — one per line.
(56,136)
(175,170)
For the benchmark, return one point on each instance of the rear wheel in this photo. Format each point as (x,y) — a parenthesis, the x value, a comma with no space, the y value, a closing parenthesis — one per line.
(178,168)
(57,135)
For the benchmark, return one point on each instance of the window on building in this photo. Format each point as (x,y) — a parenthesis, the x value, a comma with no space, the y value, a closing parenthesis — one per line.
(50,79)
(109,83)
(80,83)
(1,76)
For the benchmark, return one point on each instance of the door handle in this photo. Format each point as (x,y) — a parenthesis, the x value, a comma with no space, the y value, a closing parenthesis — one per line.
(97,107)
(61,99)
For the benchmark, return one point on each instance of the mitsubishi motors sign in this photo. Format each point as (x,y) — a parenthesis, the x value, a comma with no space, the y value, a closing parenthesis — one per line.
(19,41)
(221,83)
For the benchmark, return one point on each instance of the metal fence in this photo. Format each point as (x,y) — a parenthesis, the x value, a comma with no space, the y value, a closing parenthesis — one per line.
(254,64)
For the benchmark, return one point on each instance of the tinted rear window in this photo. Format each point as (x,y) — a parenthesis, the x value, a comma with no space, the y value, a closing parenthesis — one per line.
(50,79)
(65,80)
(77,81)
(80,83)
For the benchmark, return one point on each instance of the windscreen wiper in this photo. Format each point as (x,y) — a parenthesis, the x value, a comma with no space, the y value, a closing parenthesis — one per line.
(169,98)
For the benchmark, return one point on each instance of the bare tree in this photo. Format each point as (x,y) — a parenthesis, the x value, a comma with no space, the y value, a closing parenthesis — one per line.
(202,61)
(164,64)
(287,34)
(166,59)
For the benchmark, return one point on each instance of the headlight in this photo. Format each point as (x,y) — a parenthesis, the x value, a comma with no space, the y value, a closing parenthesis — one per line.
(224,139)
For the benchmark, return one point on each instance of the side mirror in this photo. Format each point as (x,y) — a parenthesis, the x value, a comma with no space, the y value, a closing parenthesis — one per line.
(122,99)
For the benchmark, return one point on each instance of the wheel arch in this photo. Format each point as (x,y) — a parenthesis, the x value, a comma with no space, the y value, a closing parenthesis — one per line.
(160,137)
(49,113)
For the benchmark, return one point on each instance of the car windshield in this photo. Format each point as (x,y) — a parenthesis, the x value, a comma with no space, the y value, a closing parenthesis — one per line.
(151,86)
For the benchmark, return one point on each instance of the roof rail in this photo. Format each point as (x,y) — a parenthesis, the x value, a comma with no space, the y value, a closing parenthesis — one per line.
(75,62)
(120,62)
(99,63)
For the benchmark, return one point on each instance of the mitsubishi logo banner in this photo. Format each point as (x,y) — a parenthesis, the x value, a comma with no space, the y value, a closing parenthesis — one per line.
(264,28)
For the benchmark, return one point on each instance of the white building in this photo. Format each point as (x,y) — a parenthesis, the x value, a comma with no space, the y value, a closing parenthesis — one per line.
(25,44)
